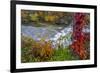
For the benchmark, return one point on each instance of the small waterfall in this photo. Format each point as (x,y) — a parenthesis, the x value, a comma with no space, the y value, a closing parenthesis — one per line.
(63,37)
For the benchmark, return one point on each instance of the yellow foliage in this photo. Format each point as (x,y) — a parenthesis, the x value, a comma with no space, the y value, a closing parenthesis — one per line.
(51,18)
(34,17)
(42,49)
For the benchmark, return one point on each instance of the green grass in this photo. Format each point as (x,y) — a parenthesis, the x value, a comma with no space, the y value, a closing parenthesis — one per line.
(61,54)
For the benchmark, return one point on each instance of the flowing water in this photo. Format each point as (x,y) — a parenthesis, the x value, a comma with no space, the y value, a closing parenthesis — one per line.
(53,33)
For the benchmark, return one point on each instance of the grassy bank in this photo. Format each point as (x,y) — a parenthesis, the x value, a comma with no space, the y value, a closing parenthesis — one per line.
(62,54)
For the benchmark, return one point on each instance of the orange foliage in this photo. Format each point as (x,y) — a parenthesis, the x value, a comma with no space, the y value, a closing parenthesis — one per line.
(42,49)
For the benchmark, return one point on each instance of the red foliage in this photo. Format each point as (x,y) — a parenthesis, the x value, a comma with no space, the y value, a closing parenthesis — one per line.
(79,37)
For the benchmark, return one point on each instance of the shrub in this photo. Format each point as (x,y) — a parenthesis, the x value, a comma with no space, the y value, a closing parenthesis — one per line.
(26,42)
(42,50)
